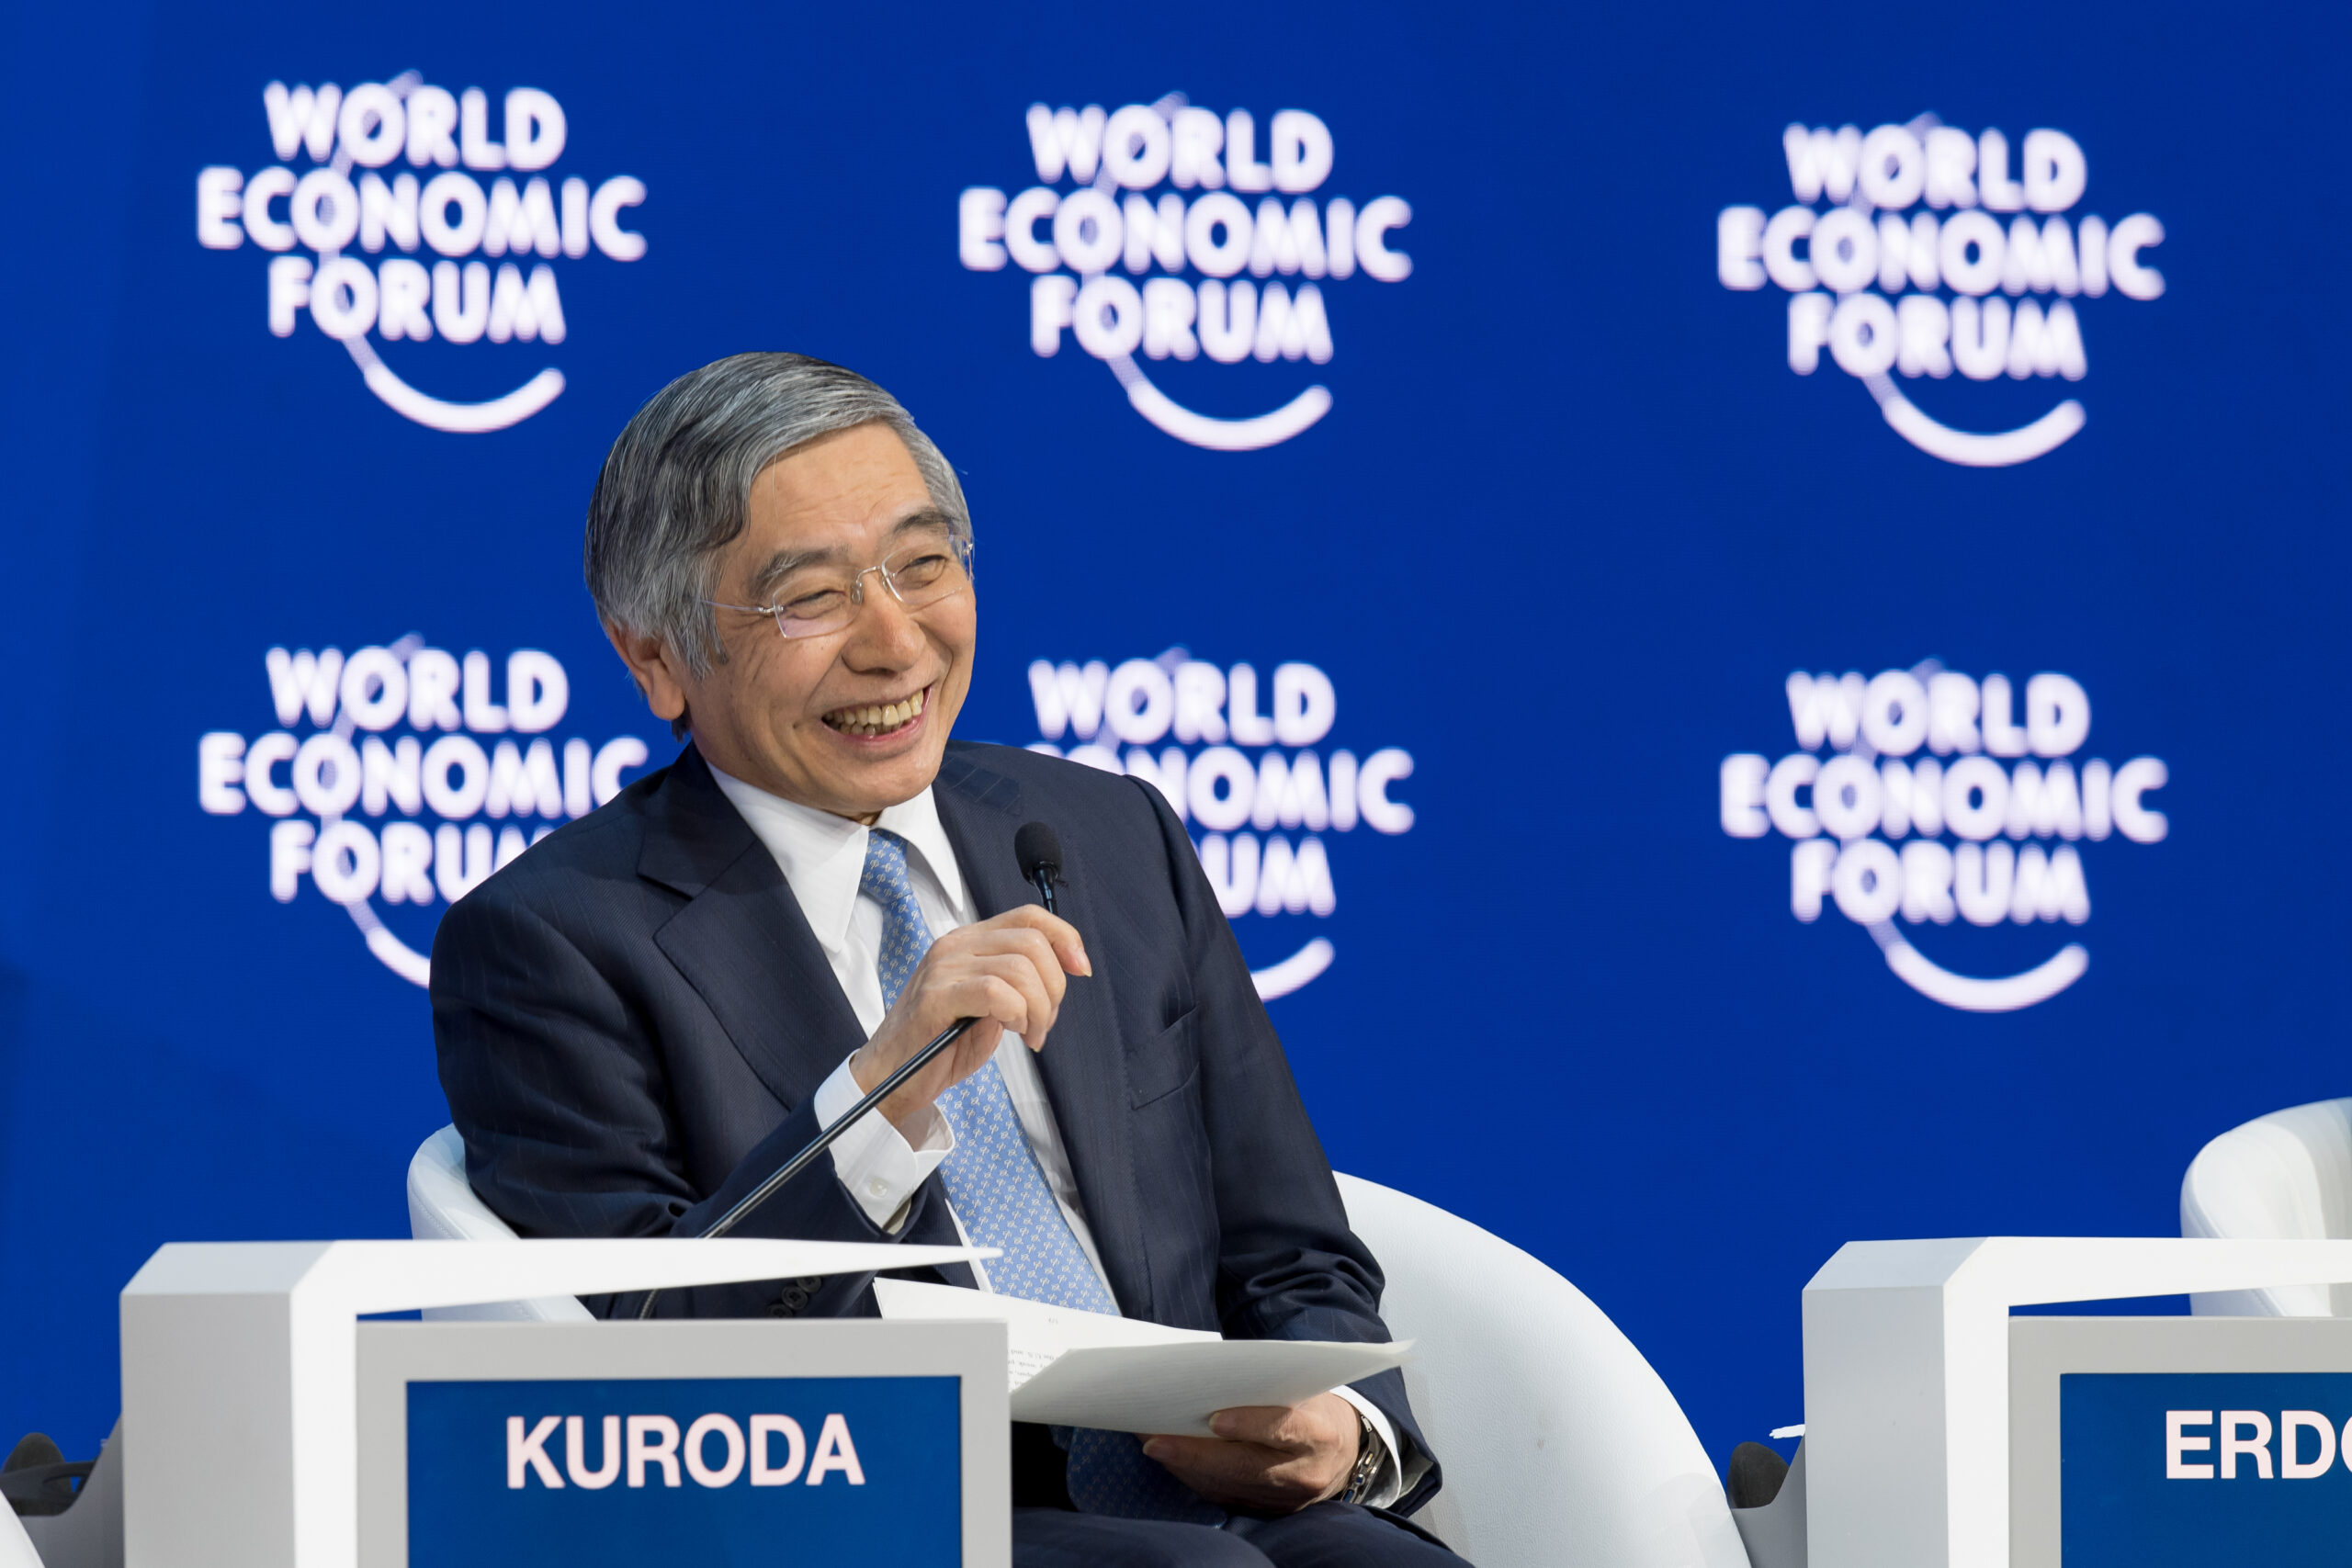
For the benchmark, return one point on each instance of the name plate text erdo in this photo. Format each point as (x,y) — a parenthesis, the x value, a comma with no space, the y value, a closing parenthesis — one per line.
(2204,1468)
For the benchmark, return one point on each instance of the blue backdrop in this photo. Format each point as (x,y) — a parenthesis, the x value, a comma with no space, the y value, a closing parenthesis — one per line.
(1555,533)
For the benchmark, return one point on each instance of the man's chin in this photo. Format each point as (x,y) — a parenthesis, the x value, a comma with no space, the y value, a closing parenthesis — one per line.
(871,784)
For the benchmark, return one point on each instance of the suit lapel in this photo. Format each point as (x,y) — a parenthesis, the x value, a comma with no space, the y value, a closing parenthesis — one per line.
(1083,1065)
(741,940)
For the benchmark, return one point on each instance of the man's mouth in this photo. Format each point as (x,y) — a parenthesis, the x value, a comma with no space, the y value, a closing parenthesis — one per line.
(877,718)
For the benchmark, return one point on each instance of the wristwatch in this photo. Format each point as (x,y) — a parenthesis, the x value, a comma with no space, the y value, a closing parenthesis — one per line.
(1370,1452)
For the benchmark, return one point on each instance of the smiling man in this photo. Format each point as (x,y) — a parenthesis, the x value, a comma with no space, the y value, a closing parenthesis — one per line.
(659,1004)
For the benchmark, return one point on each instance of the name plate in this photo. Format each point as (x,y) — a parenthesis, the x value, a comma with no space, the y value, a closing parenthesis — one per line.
(2156,1441)
(519,1445)
(2204,1468)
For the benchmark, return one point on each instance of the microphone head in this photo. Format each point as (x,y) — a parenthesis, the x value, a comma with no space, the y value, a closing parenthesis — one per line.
(1038,850)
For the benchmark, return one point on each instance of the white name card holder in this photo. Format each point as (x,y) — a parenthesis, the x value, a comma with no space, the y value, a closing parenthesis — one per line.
(242,1373)
(1908,1376)
(2143,1442)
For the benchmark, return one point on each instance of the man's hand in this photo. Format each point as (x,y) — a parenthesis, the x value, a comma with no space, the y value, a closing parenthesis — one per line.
(1267,1459)
(1008,972)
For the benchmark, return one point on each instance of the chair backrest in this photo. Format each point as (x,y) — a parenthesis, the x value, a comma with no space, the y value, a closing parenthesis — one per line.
(88,1534)
(1563,1448)
(442,1207)
(2284,1177)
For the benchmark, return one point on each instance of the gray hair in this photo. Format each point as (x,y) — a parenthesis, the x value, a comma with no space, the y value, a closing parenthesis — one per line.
(676,486)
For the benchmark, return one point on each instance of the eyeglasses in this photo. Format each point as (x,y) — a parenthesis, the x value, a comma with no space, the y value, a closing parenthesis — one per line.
(820,601)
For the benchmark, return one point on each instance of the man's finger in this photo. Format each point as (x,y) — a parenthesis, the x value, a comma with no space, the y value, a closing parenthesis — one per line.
(1068,946)
(1038,952)
(1213,1457)
(1053,955)
(979,1043)
(1236,1474)
(1040,1006)
(981,996)
(1275,1426)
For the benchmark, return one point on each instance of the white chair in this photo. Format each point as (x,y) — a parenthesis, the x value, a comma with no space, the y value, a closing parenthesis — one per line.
(2284,1177)
(87,1534)
(442,1206)
(16,1546)
(1563,1448)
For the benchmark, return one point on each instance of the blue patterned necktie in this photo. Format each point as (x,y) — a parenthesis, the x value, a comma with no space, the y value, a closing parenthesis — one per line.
(1002,1197)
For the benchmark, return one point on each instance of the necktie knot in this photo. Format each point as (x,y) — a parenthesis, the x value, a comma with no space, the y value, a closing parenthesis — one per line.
(885,866)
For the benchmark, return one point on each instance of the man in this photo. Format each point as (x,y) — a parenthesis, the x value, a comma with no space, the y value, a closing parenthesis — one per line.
(656,1007)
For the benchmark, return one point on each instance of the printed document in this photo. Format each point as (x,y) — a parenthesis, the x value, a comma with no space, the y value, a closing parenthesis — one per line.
(1081,1368)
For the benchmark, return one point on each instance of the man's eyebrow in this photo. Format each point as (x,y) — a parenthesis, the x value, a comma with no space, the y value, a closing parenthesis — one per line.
(923,517)
(783,563)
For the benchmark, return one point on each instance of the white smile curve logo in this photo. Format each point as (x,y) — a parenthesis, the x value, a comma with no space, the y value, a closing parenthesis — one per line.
(390,951)
(1218,435)
(1293,973)
(2008,994)
(1969,448)
(457,419)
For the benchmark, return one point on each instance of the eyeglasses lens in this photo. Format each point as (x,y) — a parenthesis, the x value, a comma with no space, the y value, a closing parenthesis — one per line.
(818,604)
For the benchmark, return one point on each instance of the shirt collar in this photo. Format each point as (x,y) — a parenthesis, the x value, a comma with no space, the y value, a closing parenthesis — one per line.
(823,856)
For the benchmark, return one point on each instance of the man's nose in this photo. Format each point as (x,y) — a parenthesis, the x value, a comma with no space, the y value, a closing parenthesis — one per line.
(884,634)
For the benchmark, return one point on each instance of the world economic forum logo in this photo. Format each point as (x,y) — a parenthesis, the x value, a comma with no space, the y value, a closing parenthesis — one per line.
(1212,275)
(447,207)
(1913,251)
(1239,762)
(395,775)
(1989,814)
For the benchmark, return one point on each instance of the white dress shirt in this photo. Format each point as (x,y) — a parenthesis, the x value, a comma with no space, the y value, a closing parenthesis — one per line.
(823,860)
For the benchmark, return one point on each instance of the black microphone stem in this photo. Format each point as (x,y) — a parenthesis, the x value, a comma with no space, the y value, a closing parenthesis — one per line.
(824,1140)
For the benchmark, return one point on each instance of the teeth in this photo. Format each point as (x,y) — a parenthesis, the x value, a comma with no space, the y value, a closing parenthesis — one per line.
(878,720)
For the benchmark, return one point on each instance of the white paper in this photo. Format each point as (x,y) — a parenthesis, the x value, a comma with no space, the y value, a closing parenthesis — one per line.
(1036,1333)
(1081,1368)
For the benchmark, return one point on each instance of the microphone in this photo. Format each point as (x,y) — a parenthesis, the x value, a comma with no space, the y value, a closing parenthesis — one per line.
(1039,853)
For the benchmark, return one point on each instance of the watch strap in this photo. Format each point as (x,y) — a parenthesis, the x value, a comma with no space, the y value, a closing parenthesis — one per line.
(1370,1453)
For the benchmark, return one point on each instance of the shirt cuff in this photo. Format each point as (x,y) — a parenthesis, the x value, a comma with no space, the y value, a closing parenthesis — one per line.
(1388,1482)
(872,1159)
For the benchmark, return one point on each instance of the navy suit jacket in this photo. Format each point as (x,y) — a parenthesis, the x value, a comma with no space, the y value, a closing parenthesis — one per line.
(633,1020)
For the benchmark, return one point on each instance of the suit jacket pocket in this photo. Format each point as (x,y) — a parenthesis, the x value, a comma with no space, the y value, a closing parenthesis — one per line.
(1170,1063)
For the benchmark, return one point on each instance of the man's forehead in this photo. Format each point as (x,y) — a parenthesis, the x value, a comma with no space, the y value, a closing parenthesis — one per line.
(853,482)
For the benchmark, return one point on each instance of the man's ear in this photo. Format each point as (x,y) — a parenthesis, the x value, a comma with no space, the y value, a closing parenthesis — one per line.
(658,674)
